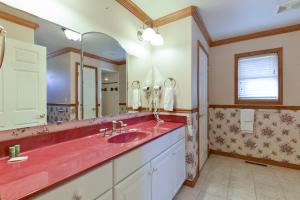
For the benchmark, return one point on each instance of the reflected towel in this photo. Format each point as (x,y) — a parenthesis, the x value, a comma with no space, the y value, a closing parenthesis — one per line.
(136,99)
(169,99)
(247,120)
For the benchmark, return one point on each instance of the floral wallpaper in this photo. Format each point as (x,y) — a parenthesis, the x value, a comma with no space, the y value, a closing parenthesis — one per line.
(276,134)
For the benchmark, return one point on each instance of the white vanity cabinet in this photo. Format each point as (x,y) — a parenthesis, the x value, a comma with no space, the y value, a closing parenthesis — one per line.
(154,171)
(23,86)
(162,173)
(91,185)
(135,187)
(162,176)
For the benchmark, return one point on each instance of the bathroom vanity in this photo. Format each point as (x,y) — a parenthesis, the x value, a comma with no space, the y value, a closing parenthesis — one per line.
(96,167)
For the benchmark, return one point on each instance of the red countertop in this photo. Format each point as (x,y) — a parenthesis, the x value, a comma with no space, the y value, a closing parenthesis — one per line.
(51,165)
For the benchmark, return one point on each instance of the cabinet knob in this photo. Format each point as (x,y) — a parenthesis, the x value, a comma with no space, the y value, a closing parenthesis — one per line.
(42,116)
(77,195)
(155,169)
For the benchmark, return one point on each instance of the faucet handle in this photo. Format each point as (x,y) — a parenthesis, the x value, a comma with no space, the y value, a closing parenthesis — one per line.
(122,127)
(104,131)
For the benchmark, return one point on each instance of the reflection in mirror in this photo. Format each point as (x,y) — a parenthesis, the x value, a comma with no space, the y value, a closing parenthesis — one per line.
(37,78)
(104,77)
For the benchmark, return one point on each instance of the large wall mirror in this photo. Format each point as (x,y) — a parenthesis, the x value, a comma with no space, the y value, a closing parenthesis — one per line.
(104,76)
(42,80)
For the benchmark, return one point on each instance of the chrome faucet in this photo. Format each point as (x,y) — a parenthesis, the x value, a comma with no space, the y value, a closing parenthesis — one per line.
(114,127)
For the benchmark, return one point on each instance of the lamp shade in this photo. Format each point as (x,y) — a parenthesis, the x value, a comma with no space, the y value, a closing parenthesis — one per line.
(157,40)
(148,34)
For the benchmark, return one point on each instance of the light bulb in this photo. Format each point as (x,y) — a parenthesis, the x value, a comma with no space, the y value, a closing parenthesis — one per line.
(148,34)
(72,35)
(157,40)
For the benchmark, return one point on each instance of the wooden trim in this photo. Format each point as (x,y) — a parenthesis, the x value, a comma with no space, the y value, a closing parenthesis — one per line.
(254,159)
(76,89)
(192,183)
(278,51)
(201,25)
(251,106)
(74,50)
(180,14)
(60,104)
(260,34)
(135,10)
(18,20)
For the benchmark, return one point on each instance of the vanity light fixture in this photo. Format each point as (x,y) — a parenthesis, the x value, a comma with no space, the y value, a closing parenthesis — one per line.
(150,35)
(157,39)
(72,35)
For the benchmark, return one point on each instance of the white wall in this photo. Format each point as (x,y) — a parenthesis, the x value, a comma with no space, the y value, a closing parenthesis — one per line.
(17,31)
(221,70)
(177,58)
(59,89)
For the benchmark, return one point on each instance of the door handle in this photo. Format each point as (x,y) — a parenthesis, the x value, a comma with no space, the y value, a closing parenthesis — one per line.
(42,116)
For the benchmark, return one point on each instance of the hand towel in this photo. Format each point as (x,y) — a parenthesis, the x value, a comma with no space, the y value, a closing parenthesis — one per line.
(136,99)
(169,99)
(247,120)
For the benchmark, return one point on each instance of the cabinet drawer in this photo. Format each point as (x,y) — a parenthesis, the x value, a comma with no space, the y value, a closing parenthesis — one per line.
(85,187)
(178,134)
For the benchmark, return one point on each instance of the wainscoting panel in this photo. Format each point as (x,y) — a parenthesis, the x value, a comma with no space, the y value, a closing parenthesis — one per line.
(276,134)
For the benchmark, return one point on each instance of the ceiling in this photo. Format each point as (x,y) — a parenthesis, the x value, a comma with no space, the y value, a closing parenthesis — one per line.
(227,18)
(51,36)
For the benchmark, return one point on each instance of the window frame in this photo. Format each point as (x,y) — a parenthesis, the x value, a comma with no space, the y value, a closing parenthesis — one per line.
(279,101)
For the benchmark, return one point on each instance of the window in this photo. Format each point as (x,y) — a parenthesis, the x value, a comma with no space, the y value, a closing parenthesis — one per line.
(259,77)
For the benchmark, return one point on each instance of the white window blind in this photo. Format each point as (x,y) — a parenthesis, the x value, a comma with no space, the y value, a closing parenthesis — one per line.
(258,77)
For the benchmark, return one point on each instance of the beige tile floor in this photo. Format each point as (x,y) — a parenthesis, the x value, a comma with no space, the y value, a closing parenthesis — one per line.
(224,178)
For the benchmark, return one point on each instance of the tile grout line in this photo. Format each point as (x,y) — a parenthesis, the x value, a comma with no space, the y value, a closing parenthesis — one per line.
(252,173)
(229,182)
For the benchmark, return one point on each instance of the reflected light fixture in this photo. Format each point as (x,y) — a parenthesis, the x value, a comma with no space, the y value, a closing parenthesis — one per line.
(157,39)
(72,35)
(148,34)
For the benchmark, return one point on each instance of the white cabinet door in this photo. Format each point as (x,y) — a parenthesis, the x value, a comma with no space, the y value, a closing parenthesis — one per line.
(135,187)
(162,186)
(24,84)
(107,196)
(178,157)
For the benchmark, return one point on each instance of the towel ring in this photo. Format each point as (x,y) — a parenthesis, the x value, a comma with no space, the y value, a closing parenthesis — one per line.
(170,82)
(135,85)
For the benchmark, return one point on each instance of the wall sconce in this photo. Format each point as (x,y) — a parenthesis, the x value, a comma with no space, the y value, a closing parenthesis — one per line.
(150,35)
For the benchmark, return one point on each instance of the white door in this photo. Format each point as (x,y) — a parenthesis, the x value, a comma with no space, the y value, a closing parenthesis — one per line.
(162,187)
(23,85)
(203,107)
(135,187)
(89,93)
(178,156)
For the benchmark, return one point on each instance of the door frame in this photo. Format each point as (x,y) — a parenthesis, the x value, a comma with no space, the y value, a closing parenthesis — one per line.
(200,46)
(76,88)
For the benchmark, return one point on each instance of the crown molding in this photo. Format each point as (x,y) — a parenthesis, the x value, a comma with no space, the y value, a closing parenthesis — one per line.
(18,20)
(255,35)
(93,56)
(135,10)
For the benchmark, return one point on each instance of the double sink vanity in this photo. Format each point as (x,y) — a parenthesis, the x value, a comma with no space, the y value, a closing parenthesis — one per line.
(146,161)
